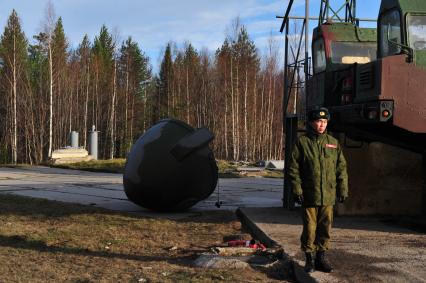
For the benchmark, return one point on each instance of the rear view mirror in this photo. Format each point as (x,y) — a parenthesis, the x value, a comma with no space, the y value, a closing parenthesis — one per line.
(401,47)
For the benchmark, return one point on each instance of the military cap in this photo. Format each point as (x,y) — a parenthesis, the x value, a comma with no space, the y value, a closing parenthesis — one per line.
(318,113)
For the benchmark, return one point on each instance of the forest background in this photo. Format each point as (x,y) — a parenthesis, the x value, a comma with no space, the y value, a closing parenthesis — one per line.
(48,89)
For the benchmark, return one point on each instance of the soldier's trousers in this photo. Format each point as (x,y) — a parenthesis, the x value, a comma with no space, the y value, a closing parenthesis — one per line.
(317,222)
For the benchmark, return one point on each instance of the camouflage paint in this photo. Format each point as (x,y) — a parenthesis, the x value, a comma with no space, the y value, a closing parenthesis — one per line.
(391,78)
(346,32)
(420,59)
(341,32)
(406,7)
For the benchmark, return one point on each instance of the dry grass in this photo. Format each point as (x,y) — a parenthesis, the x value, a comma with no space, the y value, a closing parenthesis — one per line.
(45,241)
(226,168)
(109,165)
(263,173)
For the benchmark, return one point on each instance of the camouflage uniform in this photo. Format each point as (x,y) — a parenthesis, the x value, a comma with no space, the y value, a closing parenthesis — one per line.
(318,172)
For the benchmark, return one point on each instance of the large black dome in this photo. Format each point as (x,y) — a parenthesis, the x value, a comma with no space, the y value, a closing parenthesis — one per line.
(170,167)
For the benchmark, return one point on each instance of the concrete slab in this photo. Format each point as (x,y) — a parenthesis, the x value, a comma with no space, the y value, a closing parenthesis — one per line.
(363,249)
(106,190)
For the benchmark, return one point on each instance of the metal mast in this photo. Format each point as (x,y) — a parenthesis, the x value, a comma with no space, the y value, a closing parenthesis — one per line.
(326,10)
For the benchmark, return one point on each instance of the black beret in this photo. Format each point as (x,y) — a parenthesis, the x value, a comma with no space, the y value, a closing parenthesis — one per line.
(318,113)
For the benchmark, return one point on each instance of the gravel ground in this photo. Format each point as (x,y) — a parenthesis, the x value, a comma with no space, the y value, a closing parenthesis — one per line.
(363,249)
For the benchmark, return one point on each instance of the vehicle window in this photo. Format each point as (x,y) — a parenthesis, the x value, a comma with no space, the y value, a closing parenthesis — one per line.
(417,32)
(390,23)
(353,52)
(319,55)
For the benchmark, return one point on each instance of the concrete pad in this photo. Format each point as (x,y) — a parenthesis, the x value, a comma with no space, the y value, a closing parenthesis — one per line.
(106,190)
(363,249)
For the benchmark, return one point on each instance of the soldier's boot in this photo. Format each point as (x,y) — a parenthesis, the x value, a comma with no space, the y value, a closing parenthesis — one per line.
(309,264)
(321,264)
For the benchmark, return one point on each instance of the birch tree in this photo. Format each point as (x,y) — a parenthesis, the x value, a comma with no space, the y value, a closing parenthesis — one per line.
(46,38)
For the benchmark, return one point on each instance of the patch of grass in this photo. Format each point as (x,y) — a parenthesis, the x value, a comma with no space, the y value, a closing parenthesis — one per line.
(49,241)
(271,174)
(227,169)
(226,166)
(109,165)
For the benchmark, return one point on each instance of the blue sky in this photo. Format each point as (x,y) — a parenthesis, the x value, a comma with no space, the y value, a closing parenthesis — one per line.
(152,23)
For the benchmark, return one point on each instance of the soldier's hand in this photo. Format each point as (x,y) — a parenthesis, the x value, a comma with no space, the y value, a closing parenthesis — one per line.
(341,199)
(298,199)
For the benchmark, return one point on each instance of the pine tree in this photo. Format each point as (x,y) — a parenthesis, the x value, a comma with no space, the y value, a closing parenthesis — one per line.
(84,53)
(191,61)
(39,77)
(13,51)
(136,75)
(62,100)
(165,83)
(223,65)
(103,69)
(245,53)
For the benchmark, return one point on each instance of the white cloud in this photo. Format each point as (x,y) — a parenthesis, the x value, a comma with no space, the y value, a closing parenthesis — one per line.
(153,23)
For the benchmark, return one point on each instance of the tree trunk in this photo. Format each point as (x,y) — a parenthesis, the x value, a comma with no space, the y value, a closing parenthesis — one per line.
(126,110)
(262,118)
(187,95)
(50,101)
(86,104)
(14,93)
(113,111)
(254,130)
(234,146)
(268,117)
(237,115)
(246,150)
(226,121)
(132,118)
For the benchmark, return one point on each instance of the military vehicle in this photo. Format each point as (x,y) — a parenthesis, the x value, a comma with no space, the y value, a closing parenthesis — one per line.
(374,99)
(373,81)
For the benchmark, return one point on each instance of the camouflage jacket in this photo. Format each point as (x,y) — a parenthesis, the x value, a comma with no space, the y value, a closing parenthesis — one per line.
(318,169)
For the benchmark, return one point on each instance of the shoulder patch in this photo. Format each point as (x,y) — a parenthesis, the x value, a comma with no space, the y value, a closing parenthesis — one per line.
(328,145)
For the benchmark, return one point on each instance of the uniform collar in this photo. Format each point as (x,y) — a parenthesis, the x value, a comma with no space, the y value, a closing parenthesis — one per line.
(314,135)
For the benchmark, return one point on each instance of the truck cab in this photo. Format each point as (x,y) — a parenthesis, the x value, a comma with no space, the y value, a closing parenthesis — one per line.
(336,49)
(335,46)
(374,82)
(402,29)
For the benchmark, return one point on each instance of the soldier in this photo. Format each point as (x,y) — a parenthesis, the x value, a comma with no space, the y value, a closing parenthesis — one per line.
(318,175)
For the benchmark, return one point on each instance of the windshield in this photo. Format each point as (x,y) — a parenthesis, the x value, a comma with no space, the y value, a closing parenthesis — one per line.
(353,52)
(417,32)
